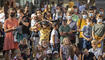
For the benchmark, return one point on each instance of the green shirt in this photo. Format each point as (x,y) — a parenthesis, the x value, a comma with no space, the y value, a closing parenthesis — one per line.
(99,29)
(64,29)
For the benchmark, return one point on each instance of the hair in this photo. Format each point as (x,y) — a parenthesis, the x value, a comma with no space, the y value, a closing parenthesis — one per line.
(77,52)
(93,42)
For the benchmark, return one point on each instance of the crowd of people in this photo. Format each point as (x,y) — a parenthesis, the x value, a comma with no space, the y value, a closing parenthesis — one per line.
(53,32)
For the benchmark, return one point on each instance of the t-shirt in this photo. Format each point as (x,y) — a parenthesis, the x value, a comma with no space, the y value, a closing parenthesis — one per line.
(99,29)
(81,23)
(97,52)
(64,29)
(25,29)
(87,31)
(54,32)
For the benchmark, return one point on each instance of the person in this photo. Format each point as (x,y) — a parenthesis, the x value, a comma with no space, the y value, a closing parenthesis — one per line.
(80,24)
(95,50)
(24,22)
(87,34)
(9,26)
(56,55)
(64,30)
(88,55)
(54,42)
(73,27)
(2,16)
(75,15)
(23,46)
(1,36)
(39,54)
(77,54)
(44,29)
(49,55)
(98,32)
(66,49)
(18,55)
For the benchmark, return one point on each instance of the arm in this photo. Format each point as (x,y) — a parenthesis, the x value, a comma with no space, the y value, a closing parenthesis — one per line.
(61,54)
(53,38)
(102,37)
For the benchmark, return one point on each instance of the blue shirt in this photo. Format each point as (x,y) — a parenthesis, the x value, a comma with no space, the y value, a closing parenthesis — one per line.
(87,31)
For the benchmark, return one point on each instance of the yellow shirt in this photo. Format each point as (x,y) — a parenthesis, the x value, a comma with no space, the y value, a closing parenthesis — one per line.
(81,23)
(44,34)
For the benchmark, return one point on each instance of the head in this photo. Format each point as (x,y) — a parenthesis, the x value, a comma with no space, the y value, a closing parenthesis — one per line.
(85,51)
(99,19)
(88,21)
(101,11)
(12,12)
(55,26)
(24,41)
(49,54)
(66,41)
(91,13)
(64,22)
(44,43)
(84,15)
(56,54)
(69,15)
(94,44)
(45,24)
(39,48)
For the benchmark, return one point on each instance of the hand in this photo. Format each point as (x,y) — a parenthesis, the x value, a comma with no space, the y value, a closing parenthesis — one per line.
(99,41)
(89,39)
(13,28)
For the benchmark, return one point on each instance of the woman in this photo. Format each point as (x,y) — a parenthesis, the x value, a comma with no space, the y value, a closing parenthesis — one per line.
(9,26)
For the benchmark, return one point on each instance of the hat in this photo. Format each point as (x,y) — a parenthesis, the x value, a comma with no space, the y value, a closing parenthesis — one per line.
(55,52)
(49,51)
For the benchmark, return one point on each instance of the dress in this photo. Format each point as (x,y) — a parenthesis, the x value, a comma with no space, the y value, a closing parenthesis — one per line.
(9,38)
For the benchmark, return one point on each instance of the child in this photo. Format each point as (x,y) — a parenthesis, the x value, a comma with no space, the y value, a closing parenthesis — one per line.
(23,46)
(49,55)
(17,55)
(56,55)
(97,51)
(87,34)
(45,47)
(39,54)
(77,53)
(66,50)
(88,55)
(54,42)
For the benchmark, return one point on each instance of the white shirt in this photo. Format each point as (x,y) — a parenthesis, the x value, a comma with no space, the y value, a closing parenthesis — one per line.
(96,52)
(33,22)
(2,17)
(54,32)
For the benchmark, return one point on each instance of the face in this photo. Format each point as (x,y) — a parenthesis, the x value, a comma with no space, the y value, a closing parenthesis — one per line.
(64,23)
(94,45)
(12,13)
(66,41)
(91,13)
(86,52)
(44,44)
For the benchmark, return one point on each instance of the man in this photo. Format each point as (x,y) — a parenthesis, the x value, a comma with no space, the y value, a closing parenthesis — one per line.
(98,32)
(64,30)
(73,27)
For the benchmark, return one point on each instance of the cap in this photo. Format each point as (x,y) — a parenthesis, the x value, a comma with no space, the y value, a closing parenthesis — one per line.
(49,51)
(55,52)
